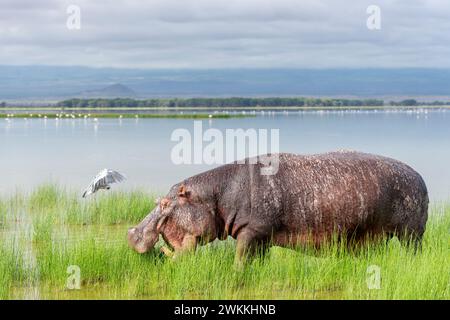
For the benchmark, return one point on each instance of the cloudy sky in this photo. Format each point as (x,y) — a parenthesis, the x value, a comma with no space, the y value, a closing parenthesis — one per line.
(226,33)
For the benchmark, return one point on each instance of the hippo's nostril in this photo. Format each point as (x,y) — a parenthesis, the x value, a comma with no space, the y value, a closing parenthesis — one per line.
(134,235)
(131,233)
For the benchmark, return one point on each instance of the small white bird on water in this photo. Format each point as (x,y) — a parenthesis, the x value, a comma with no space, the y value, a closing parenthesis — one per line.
(103,180)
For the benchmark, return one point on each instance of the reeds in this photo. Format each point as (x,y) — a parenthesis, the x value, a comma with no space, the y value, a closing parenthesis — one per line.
(91,235)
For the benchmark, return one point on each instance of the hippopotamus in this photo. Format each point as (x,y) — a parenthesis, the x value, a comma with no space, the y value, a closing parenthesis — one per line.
(310,200)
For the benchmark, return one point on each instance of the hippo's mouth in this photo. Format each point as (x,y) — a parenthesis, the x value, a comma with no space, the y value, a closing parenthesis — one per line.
(167,243)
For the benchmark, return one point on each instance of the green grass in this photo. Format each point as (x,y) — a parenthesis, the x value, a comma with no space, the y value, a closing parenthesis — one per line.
(91,234)
(124,116)
(52,201)
(3,213)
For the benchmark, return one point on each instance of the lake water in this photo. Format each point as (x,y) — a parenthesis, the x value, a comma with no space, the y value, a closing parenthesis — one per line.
(71,152)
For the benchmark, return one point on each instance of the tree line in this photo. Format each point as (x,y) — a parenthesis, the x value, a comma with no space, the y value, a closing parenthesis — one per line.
(412,102)
(232,102)
(217,102)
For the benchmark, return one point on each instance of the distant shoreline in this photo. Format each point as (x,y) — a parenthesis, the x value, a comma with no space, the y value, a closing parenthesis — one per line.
(118,116)
(262,108)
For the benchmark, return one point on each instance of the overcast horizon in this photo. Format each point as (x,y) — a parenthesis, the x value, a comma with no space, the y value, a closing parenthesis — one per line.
(225,34)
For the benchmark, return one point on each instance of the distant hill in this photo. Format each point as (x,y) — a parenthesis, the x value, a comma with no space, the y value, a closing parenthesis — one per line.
(113,91)
(53,83)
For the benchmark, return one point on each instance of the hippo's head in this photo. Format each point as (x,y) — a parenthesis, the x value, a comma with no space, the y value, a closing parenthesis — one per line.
(145,235)
(179,211)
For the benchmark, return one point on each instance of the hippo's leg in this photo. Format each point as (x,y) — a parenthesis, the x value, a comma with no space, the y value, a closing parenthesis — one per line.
(360,240)
(387,237)
(248,245)
(245,247)
(411,239)
(189,245)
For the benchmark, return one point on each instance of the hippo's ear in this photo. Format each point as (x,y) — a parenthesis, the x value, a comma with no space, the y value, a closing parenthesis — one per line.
(164,203)
(182,192)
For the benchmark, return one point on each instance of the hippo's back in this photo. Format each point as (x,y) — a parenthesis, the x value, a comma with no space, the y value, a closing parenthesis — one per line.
(350,190)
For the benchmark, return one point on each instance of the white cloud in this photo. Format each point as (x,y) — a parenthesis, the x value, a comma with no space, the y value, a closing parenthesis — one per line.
(226,33)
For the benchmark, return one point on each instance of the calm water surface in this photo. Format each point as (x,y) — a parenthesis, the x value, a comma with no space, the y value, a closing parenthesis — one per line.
(71,152)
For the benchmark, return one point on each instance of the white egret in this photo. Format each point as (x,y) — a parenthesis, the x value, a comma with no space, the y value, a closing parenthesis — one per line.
(103,180)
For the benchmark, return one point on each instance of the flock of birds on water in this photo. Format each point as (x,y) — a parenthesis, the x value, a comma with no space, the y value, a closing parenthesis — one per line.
(418,112)
(59,116)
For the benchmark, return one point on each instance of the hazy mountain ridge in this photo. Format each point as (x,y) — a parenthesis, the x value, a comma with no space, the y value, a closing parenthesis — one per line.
(48,82)
(116,90)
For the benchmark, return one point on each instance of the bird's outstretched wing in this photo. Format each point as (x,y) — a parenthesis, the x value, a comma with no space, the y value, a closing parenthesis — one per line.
(103,180)
(113,177)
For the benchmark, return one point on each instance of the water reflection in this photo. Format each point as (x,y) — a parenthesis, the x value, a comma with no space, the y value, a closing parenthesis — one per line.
(71,150)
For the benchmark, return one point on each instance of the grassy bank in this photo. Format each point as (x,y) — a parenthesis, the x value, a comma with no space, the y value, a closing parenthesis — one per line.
(58,229)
